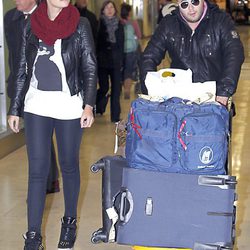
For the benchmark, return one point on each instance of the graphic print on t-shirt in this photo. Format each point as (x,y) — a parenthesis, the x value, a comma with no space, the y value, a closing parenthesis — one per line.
(46,71)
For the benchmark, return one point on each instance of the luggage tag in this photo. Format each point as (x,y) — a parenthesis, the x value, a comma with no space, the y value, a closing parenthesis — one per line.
(113,216)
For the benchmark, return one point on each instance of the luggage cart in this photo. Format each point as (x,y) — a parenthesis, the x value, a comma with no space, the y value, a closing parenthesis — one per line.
(108,232)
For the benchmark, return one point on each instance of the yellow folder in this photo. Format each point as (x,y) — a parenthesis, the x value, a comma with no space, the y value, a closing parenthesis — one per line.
(157,248)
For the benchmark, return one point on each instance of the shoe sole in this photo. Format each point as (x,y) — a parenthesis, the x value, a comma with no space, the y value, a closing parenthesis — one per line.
(65,249)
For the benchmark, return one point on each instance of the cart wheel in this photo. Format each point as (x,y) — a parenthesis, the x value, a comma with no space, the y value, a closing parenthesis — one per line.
(97,232)
(94,169)
(97,166)
(95,239)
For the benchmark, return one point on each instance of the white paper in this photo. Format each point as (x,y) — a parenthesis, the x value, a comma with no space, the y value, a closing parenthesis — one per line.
(179,85)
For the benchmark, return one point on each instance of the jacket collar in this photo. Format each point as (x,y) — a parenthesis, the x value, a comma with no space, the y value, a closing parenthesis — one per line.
(17,14)
(32,39)
(35,41)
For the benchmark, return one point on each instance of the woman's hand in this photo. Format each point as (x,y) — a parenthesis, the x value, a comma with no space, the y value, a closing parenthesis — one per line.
(14,123)
(87,118)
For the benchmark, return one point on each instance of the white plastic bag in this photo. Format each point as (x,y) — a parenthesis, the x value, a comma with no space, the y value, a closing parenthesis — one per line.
(167,83)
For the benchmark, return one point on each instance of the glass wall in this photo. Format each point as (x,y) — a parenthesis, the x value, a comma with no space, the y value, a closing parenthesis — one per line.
(2,75)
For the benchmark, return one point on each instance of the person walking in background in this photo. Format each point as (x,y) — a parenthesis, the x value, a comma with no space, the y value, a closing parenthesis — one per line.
(82,6)
(161,4)
(13,28)
(110,47)
(56,87)
(168,8)
(132,33)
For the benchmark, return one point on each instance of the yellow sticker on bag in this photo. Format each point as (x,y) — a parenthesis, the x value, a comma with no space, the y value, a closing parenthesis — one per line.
(167,74)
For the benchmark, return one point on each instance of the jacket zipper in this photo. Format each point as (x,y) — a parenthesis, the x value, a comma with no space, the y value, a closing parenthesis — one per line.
(191,37)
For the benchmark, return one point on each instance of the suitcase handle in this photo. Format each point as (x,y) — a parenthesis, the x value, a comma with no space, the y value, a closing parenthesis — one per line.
(127,206)
(221,181)
(201,246)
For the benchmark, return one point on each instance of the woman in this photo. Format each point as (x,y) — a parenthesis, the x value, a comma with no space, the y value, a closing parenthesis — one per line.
(110,43)
(132,34)
(56,89)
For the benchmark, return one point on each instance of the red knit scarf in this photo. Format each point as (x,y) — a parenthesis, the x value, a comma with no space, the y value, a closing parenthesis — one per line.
(49,31)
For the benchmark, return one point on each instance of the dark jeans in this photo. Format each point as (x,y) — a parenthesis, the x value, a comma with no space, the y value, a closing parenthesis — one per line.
(53,170)
(38,133)
(115,79)
(129,65)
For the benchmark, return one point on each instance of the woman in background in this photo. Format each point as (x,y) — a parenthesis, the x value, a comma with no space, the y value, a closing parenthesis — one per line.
(132,33)
(110,44)
(56,89)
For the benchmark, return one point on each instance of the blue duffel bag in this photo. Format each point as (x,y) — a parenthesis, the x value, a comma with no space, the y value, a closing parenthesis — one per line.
(177,136)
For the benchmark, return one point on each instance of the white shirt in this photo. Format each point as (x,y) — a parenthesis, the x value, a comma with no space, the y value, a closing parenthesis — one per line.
(49,94)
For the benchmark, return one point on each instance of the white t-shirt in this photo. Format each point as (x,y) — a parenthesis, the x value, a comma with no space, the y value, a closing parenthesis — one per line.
(48,94)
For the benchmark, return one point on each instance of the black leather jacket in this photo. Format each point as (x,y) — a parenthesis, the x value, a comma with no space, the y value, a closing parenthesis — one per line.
(213,51)
(78,54)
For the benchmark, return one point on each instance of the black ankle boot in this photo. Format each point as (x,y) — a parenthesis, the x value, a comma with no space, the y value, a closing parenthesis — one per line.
(68,233)
(33,241)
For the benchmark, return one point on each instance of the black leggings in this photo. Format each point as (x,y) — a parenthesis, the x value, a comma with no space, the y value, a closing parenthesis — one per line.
(115,79)
(38,133)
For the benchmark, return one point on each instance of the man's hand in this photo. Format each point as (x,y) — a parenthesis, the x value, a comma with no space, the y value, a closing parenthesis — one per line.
(14,123)
(87,118)
(222,100)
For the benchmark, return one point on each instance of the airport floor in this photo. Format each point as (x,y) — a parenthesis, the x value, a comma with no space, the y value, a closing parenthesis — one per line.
(97,142)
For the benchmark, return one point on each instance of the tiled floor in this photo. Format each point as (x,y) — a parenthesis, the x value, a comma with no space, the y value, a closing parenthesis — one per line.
(97,142)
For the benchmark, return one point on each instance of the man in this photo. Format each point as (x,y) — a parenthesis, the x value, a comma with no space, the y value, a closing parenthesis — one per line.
(13,27)
(82,5)
(200,36)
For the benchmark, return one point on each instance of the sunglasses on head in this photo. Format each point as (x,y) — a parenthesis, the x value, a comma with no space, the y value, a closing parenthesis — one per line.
(185,4)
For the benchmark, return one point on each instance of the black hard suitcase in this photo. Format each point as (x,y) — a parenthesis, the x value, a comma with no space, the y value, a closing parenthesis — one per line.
(111,167)
(177,210)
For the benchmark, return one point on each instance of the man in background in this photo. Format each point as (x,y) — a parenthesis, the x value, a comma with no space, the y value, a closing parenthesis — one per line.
(14,21)
(82,6)
(168,8)
(161,4)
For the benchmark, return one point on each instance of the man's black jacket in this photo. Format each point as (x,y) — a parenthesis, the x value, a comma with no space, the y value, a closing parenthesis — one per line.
(84,12)
(213,51)
(13,29)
